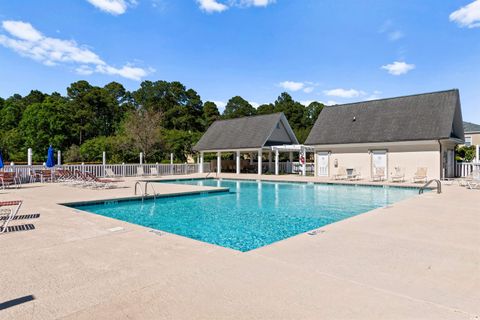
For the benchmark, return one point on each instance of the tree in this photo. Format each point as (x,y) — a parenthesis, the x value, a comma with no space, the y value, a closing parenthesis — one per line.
(180,143)
(210,113)
(238,107)
(294,111)
(266,109)
(312,112)
(45,124)
(143,128)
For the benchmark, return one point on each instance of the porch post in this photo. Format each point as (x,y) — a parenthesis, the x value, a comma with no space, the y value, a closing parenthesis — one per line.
(219,162)
(290,155)
(200,169)
(259,161)
(276,162)
(269,161)
(238,162)
(29,156)
(304,164)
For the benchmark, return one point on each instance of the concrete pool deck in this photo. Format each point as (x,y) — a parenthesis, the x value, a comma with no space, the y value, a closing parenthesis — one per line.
(416,259)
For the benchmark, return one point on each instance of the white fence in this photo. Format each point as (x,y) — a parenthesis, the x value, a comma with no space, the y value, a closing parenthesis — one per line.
(119,170)
(463,169)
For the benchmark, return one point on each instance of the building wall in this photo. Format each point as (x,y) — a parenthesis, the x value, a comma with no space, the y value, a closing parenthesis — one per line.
(408,157)
(475,138)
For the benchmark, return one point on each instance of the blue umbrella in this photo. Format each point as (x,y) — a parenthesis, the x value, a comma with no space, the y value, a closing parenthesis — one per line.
(50,159)
(1,160)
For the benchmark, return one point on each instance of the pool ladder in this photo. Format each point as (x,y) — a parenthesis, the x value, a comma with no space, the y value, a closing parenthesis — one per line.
(145,193)
(439,186)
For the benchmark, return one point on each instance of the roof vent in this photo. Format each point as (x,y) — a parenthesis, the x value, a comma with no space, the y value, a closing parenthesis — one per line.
(354,119)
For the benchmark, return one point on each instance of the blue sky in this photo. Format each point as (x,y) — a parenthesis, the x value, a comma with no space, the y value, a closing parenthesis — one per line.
(324,50)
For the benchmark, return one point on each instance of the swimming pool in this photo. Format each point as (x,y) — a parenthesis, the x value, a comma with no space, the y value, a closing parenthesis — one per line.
(253,214)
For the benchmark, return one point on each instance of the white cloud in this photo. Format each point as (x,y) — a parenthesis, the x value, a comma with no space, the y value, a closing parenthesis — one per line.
(30,43)
(344,93)
(220,104)
(115,7)
(467,16)
(398,68)
(292,85)
(212,6)
(308,89)
(395,35)
(374,96)
(222,5)
(254,104)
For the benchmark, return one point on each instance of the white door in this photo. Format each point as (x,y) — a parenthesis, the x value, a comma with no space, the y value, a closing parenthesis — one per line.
(322,164)
(379,161)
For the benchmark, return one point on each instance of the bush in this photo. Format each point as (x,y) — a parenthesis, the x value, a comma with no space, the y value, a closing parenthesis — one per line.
(465,153)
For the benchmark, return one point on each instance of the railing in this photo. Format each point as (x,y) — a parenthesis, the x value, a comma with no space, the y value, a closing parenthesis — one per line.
(439,186)
(119,170)
(463,169)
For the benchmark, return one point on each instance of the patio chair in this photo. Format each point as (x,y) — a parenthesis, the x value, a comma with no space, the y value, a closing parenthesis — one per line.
(9,179)
(469,178)
(154,172)
(341,174)
(109,173)
(140,171)
(354,175)
(7,213)
(420,175)
(399,175)
(379,174)
(474,183)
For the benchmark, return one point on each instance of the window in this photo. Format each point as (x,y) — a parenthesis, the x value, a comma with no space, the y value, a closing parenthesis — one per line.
(468,141)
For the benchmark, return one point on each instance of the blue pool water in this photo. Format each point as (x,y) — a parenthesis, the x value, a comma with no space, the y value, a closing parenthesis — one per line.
(253,214)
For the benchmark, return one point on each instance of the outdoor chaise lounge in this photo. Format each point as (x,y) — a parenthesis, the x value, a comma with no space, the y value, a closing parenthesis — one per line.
(420,175)
(399,175)
(378,174)
(8,211)
(140,171)
(341,174)
(474,182)
(354,174)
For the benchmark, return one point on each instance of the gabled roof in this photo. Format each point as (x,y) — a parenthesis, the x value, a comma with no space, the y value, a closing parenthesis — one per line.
(247,133)
(428,116)
(471,127)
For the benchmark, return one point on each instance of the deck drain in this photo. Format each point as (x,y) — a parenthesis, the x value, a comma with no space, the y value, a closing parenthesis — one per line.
(315,232)
(115,229)
(157,232)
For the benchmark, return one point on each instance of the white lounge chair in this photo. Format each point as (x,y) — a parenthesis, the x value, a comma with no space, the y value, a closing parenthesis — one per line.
(140,171)
(420,175)
(354,174)
(378,174)
(109,173)
(153,172)
(474,183)
(341,174)
(399,175)
(8,211)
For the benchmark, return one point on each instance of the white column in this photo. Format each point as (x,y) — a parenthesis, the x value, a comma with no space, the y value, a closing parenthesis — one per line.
(141,157)
(260,161)
(290,156)
(238,162)
(477,153)
(29,156)
(200,169)
(171,158)
(59,157)
(219,162)
(269,161)
(251,158)
(276,162)
(104,158)
(304,165)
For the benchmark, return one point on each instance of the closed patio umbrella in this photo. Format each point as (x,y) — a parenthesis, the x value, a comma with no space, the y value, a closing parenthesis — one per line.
(50,158)
(1,160)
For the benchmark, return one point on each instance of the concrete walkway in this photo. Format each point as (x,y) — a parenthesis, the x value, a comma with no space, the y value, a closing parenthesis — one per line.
(417,259)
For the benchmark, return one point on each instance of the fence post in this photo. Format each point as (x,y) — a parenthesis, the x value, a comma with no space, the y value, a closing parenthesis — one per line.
(83,167)
(141,157)
(59,157)
(123,169)
(104,162)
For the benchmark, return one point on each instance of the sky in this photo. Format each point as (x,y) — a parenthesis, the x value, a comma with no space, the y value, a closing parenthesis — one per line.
(317,50)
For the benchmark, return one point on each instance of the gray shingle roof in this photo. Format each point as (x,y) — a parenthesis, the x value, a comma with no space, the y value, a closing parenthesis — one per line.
(471,127)
(244,133)
(428,116)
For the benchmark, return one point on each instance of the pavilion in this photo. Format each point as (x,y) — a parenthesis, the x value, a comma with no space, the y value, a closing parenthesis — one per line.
(253,135)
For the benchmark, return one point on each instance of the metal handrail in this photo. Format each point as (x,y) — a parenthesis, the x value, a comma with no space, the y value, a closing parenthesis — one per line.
(154,192)
(137,184)
(439,186)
